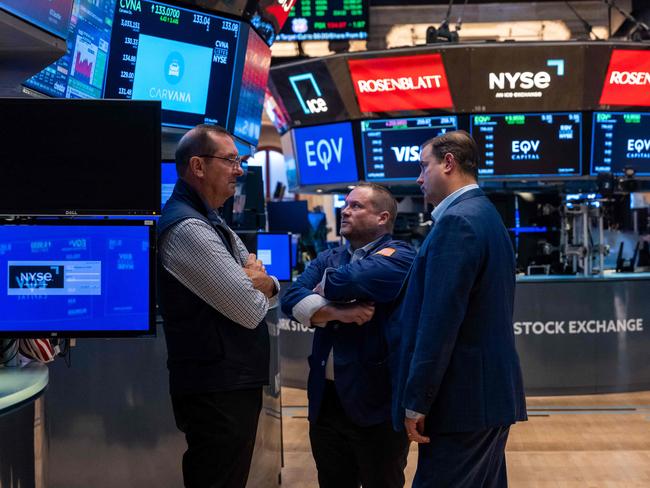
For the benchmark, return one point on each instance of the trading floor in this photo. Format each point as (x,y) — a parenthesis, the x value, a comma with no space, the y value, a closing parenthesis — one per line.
(589,441)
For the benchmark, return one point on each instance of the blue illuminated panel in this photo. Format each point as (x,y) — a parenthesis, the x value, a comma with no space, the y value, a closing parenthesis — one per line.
(619,140)
(325,154)
(528,145)
(168,181)
(50,15)
(274,252)
(75,278)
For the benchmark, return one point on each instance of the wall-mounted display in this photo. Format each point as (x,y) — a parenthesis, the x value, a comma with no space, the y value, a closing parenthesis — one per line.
(620,140)
(326,20)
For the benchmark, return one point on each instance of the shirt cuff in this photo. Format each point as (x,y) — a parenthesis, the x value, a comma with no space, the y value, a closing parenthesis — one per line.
(412,414)
(308,306)
(273,301)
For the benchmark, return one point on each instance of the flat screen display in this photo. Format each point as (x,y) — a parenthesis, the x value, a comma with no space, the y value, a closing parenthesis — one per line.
(274,250)
(254,78)
(528,145)
(179,56)
(288,216)
(50,15)
(325,154)
(168,178)
(68,157)
(391,148)
(80,73)
(77,279)
(326,20)
(619,140)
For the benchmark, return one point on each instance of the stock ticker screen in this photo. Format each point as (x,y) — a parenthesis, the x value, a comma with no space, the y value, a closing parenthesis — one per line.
(85,278)
(620,140)
(81,71)
(528,145)
(179,56)
(391,148)
(326,20)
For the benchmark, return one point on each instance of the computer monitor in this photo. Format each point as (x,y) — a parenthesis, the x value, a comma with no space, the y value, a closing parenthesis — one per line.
(528,145)
(620,140)
(77,278)
(81,71)
(183,57)
(288,216)
(325,155)
(79,157)
(168,177)
(391,147)
(274,250)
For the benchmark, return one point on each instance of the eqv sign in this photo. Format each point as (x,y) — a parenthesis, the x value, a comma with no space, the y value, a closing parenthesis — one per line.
(325,154)
(324,151)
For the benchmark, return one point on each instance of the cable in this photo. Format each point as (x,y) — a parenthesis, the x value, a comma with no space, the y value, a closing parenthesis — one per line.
(459,22)
(585,23)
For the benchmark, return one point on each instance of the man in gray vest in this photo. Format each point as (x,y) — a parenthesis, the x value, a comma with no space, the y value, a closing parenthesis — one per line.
(214,296)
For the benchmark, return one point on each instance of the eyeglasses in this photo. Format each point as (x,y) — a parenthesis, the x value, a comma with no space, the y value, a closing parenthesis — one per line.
(234,162)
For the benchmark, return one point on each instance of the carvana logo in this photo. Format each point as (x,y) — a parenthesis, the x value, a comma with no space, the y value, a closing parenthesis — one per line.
(174,68)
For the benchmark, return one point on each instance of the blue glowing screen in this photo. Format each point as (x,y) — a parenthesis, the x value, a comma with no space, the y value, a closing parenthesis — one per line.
(274,251)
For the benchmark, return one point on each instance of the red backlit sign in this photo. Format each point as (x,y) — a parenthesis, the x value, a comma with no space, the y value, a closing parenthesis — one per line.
(280,10)
(628,79)
(400,83)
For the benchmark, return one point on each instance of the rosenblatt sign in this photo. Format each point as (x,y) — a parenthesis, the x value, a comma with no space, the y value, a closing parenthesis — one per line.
(628,79)
(400,83)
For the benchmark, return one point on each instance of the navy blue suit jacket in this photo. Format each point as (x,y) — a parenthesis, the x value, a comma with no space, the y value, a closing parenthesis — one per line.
(362,377)
(453,347)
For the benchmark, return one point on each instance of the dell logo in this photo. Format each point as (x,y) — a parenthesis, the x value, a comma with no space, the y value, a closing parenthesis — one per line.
(406,153)
(324,152)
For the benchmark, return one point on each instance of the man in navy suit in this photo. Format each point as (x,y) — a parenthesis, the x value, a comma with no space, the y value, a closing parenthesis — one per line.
(458,384)
(345,293)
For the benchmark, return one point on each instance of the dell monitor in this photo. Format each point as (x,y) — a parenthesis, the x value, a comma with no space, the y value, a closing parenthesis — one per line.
(79,157)
(77,278)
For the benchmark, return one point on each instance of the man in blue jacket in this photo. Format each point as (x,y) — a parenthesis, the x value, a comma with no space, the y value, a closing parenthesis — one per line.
(458,379)
(344,293)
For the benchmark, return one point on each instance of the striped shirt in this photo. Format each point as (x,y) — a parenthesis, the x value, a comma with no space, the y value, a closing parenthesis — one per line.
(193,253)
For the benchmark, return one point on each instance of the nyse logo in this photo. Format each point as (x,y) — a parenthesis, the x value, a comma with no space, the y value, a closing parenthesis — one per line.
(324,151)
(310,104)
(638,148)
(31,276)
(525,150)
(524,80)
(406,153)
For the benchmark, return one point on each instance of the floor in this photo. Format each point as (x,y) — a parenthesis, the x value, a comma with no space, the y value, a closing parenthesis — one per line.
(595,441)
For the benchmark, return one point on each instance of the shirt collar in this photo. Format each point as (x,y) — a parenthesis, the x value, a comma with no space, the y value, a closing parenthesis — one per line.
(362,251)
(444,205)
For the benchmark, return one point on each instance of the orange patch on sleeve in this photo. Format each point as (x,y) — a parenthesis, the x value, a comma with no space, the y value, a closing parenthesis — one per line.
(387,251)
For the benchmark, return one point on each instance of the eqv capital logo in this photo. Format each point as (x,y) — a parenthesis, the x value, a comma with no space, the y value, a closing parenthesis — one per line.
(525,84)
(525,150)
(324,151)
(638,149)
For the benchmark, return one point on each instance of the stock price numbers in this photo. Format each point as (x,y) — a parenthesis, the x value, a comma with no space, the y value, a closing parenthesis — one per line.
(202,20)
(167,14)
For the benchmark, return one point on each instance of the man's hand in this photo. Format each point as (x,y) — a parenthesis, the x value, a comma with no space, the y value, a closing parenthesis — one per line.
(355,313)
(261,281)
(253,263)
(415,429)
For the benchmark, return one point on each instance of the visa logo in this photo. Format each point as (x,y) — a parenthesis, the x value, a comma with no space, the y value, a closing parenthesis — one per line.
(324,151)
(406,153)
